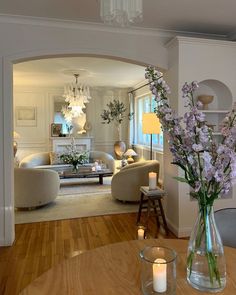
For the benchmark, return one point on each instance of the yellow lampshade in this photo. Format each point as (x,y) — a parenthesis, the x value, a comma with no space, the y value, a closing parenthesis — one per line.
(151,124)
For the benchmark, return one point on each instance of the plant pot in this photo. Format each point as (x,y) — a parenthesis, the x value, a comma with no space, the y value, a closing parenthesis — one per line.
(119,149)
(206,268)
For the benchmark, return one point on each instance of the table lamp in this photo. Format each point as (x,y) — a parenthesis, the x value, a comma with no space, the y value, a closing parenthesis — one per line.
(151,125)
(15,136)
(130,153)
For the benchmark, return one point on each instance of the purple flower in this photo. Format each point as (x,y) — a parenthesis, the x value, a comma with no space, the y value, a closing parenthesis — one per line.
(197,147)
(209,166)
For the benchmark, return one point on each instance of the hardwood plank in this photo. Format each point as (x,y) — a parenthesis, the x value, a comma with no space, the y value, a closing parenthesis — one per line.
(39,246)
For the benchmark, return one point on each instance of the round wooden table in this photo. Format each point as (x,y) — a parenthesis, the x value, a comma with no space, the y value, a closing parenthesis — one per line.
(115,270)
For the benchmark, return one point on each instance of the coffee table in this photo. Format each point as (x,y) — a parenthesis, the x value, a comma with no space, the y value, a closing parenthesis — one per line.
(87,174)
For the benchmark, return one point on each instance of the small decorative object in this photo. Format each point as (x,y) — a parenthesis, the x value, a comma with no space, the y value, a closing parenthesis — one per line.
(130,153)
(124,162)
(119,149)
(205,100)
(209,168)
(115,112)
(15,145)
(152,180)
(158,270)
(56,129)
(75,157)
(211,126)
(141,232)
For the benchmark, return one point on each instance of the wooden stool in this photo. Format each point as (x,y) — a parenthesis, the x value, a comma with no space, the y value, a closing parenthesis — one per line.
(153,200)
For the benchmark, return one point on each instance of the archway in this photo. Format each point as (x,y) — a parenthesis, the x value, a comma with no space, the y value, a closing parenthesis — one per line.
(8,185)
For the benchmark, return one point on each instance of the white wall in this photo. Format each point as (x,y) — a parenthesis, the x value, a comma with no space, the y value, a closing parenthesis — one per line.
(37,138)
(195,59)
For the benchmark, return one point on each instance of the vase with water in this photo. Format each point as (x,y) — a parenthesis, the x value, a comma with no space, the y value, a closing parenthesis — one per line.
(206,268)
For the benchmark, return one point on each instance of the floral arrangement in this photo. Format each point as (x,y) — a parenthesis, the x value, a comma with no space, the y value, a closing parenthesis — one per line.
(115,112)
(209,166)
(75,157)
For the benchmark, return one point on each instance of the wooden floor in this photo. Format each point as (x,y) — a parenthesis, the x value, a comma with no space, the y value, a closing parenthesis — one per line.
(39,246)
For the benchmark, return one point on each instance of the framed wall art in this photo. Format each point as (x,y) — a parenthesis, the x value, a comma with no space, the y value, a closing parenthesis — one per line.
(26,116)
(56,129)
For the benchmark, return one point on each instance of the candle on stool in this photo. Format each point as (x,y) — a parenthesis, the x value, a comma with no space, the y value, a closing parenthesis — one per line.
(152,180)
(159,275)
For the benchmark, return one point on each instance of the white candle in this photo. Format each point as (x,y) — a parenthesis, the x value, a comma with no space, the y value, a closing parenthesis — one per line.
(152,180)
(159,275)
(140,234)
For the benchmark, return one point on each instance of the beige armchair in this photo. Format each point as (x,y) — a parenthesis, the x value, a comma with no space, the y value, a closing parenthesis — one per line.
(35,187)
(126,183)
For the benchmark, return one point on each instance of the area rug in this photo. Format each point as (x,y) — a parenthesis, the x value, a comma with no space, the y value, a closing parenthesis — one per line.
(75,206)
(74,186)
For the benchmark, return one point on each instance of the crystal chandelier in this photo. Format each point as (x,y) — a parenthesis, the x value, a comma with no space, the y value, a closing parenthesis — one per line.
(76,95)
(121,12)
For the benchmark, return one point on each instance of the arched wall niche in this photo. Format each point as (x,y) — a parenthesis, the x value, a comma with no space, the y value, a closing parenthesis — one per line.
(7,227)
(223,97)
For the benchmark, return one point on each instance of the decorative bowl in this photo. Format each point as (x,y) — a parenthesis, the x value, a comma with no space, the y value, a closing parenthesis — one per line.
(205,100)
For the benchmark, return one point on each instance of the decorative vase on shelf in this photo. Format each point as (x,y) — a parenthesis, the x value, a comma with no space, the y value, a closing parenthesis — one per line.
(206,268)
(205,100)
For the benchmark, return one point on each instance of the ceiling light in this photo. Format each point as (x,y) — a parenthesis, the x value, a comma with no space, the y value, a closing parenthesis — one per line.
(76,95)
(121,12)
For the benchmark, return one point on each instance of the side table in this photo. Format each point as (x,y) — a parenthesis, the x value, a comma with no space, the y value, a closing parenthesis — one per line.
(154,207)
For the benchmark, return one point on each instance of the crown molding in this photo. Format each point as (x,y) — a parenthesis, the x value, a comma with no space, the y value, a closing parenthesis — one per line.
(193,40)
(53,22)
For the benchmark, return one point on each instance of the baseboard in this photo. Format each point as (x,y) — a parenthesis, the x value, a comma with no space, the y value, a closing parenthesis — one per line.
(4,243)
(179,232)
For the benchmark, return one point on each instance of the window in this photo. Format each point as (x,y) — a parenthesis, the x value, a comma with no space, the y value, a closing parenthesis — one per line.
(145,104)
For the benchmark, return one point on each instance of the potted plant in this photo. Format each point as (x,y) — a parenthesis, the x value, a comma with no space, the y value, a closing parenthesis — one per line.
(115,112)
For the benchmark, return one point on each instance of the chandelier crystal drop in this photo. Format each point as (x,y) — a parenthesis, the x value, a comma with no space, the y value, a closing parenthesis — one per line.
(121,12)
(76,95)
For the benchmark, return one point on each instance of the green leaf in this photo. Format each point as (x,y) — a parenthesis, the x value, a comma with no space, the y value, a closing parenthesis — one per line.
(181,179)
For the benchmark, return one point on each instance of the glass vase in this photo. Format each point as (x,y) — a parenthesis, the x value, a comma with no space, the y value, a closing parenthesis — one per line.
(206,269)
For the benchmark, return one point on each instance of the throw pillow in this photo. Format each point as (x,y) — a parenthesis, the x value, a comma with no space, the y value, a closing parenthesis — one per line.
(55,158)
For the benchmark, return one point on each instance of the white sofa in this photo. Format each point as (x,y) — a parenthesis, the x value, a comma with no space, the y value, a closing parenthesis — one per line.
(42,161)
(125,185)
(35,187)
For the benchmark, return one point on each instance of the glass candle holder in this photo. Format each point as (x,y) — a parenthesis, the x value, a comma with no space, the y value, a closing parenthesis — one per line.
(158,270)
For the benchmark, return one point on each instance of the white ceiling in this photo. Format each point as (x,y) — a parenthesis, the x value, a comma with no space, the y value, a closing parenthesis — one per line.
(55,72)
(201,16)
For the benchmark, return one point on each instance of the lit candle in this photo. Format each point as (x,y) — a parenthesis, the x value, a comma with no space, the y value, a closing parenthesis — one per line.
(159,275)
(152,180)
(140,233)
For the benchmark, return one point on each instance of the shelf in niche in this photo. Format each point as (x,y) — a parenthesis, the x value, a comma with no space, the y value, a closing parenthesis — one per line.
(215,111)
(216,133)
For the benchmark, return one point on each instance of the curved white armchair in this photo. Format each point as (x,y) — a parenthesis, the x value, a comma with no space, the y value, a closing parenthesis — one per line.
(35,187)
(125,184)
